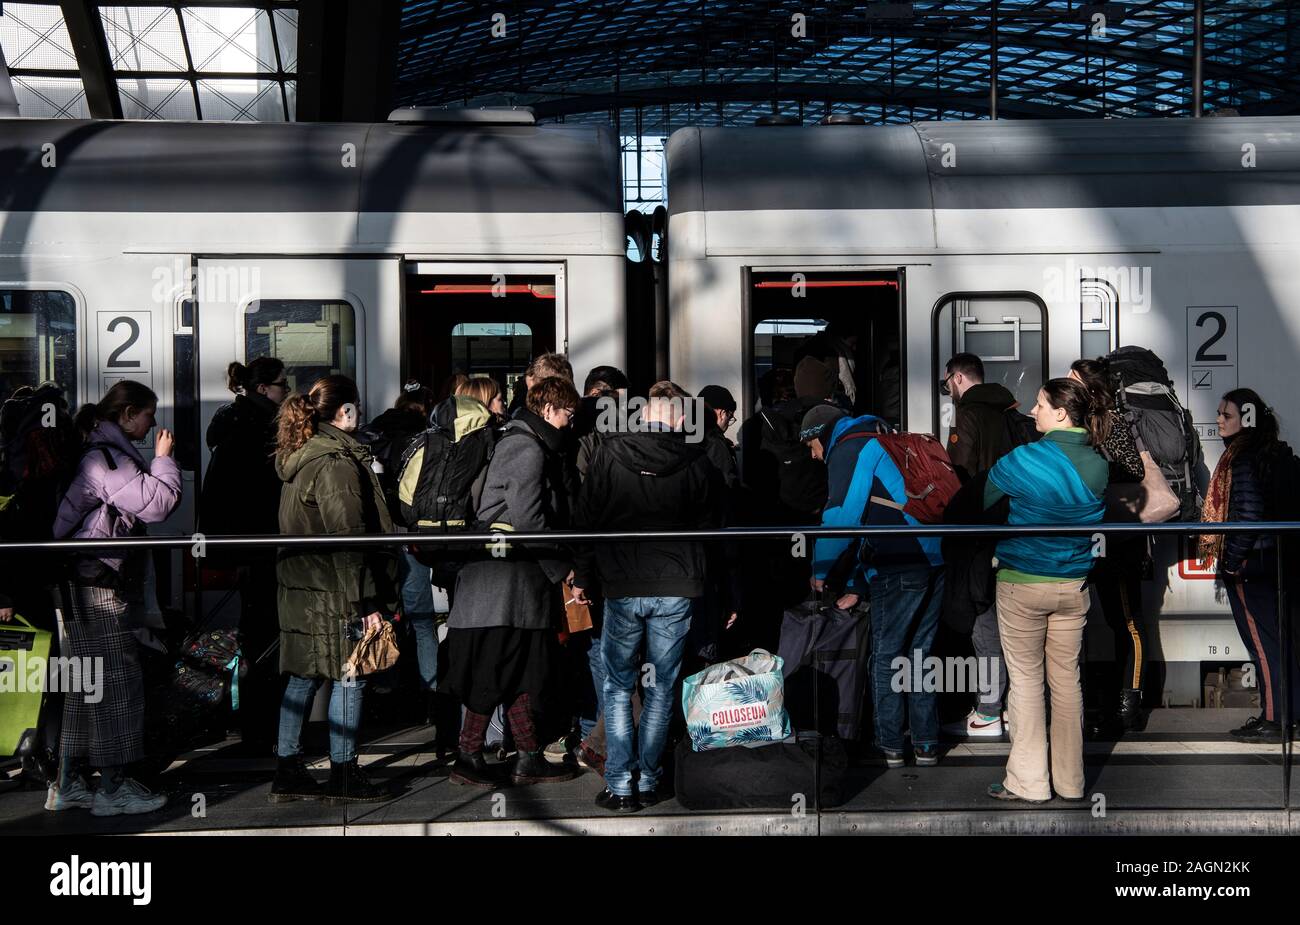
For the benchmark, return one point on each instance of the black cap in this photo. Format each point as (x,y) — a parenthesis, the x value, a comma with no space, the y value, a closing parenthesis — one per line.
(718,398)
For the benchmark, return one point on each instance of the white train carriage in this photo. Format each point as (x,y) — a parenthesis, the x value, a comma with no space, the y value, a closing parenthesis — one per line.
(1028,243)
(436,241)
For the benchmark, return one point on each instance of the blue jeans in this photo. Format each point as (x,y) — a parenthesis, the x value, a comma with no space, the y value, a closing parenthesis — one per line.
(904,616)
(417,606)
(596,664)
(661,623)
(344,716)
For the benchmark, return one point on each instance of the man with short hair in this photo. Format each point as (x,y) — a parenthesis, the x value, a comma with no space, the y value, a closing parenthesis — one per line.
(980,437)
(903,575)
(647,479)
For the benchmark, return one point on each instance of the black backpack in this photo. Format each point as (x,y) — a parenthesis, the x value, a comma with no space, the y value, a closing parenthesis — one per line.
(1145,399)
(1021,429)
(40,448)
(441,465)
(800,479)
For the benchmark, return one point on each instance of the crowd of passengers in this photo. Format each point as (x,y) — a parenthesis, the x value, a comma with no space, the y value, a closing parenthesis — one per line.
(303,463)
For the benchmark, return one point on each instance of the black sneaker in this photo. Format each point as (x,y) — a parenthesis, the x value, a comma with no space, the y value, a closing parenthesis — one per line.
(293,781)
(533,768)
(618,804)
(652,796)
(1247,728)
(1263,731)
(927,756)
(349,784)
(471,770)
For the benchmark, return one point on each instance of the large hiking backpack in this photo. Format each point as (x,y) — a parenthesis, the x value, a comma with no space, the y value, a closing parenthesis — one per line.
(441,465)
(1146,400)
(800,479)
(40,448)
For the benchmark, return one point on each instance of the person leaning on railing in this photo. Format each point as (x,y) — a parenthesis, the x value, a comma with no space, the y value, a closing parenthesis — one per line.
(1042,596)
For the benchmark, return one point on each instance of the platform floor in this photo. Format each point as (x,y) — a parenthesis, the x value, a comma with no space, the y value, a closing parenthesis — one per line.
(1182,774)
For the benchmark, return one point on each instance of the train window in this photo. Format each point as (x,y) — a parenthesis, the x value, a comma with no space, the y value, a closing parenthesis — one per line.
(38,340)
(501,350)
(313,337)
(847,319)
(1005,330)
(1098,317)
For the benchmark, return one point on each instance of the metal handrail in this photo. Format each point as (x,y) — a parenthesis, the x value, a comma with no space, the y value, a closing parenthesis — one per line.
(574,536)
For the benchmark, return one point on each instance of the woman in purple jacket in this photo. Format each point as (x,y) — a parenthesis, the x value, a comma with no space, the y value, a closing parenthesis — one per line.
(116,491)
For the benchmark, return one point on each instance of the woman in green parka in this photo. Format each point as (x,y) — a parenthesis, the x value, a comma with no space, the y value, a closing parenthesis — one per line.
(327,596)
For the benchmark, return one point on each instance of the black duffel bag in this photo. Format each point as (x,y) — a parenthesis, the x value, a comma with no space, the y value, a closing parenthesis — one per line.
(765,777)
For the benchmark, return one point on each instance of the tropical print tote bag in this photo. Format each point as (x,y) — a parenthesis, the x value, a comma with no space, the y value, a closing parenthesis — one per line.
(740,702)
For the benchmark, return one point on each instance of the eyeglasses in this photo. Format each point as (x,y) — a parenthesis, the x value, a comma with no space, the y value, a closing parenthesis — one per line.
(283,384)
(944,388)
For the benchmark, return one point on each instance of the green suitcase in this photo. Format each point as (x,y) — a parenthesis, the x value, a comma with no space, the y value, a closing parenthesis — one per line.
(24,657)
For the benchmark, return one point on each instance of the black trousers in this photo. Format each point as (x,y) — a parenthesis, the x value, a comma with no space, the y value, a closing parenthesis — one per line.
(1253,598)
(1118,583)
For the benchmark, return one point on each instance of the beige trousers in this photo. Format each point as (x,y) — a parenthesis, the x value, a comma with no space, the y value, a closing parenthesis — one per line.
(1042,634)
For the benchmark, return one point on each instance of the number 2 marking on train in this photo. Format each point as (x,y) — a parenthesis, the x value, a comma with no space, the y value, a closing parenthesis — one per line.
(133,334)
(1201,355)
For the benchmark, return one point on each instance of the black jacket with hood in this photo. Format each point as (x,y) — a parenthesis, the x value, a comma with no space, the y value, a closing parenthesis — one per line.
(981,436)
(647,481)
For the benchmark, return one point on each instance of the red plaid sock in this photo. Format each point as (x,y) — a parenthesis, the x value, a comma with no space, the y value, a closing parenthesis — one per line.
(521,724)
(473,730)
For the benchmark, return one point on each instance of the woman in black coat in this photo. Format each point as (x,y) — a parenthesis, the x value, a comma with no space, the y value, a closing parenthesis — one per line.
(241,495)
(1252,482)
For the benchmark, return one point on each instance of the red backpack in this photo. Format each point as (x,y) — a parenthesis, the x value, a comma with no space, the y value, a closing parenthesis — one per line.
(928,476)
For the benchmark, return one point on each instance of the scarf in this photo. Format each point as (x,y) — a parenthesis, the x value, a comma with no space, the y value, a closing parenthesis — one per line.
(1216,506)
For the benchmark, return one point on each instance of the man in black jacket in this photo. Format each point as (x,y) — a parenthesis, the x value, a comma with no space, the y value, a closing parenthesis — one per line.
(982,435)
(650,479)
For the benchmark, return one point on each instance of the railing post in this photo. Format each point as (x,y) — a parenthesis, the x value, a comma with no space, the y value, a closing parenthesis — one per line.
(1284,647)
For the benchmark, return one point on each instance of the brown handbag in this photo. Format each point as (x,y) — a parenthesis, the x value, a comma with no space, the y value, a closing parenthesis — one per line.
(576,616)
(374,651)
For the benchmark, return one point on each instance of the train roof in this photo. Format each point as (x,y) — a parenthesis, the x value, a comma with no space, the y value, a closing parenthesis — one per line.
(120,166)
(1004,164)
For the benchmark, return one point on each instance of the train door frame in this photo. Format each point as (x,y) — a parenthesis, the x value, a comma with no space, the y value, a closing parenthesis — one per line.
(424,265)
(748,388)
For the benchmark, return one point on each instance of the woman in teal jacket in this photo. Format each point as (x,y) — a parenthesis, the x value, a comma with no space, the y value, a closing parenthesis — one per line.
(1042,594)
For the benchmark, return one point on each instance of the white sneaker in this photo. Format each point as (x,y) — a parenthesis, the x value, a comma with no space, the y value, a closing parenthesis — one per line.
(74,796)
(130,798)
(975,726)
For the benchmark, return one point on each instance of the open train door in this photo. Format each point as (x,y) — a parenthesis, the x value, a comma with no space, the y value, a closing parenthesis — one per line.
(481,319)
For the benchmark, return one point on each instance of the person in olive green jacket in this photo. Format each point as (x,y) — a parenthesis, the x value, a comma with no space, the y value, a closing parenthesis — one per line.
(327,597)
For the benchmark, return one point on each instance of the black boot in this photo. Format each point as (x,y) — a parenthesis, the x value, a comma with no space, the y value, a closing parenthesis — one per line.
(1130,709)
(533,768)
(349,784)
(472,770)
(293,781)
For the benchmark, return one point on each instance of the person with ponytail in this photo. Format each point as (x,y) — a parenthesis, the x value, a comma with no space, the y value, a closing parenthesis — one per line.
(329,489)
(115,492)
(1118,575)
(241,496)
(1251,483)
(1042,592)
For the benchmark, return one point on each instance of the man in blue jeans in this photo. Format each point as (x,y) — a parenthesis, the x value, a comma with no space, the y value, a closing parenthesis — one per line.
(903,575)
(653,476)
